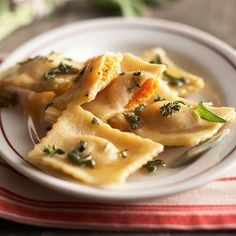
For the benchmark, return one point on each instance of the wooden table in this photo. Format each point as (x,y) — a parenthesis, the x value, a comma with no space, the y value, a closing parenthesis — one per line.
(217,17)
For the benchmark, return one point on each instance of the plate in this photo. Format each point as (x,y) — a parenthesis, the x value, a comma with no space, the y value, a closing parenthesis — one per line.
(192,49)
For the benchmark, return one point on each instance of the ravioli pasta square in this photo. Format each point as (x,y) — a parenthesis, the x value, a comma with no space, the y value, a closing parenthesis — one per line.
(116,154)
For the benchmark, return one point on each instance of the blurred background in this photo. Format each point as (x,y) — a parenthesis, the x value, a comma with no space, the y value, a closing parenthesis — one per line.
(20,20)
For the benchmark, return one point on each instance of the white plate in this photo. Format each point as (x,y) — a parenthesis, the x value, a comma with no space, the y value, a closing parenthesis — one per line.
(194,50)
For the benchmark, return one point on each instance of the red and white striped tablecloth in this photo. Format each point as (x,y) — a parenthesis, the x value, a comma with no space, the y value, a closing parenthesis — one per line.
(212,206)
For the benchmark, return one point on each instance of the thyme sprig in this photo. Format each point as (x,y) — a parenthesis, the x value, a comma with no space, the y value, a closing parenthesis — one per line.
(134,118)
(170,107)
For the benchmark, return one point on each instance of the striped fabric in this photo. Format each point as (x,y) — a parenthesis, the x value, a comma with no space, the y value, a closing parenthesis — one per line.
(212,206)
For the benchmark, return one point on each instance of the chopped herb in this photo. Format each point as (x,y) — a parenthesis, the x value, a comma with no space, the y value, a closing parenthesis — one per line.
(139,108)
(123,153)
(99,72)
(78,157)
(137,73)
(86,160)
(156,60)
(167,109)
(52,150)
(122,73)
(135,84)
(174,81)
(95,121)
(159,98)
(133,120)
(80,75)
(152,166)
(27,60)
(208,115)
(82,146)
(61,69)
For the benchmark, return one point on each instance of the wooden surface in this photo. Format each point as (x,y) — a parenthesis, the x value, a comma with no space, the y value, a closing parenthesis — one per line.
(217,17)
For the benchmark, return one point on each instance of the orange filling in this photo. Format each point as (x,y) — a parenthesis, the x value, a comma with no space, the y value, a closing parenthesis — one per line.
(110,68)
(147,89)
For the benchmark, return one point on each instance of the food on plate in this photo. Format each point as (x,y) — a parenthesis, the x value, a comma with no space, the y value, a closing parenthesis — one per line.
(180,81)
(87,149)
(111,115)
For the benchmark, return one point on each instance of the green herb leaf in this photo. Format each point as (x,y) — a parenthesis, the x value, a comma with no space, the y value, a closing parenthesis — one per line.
(95,121)
(86,161)
(169,108)
(159,98)
(52,150)
(78,157)
(139,108)
(156,60)
(195,152)
(152,166)
(80,75)
(174,81)
(135,84)
(60,70)
(208,115)
(133,120)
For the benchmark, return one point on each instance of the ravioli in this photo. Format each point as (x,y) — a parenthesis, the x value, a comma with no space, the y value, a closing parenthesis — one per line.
(32,74)
(131,63)
(182,128)
(96,75)
(125,92)
(104,144)
(180,81)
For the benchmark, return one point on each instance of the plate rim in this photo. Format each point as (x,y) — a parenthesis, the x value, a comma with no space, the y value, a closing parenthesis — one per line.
(107,195)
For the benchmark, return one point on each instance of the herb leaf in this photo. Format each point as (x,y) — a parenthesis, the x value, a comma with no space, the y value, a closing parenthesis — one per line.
(61,69)
(52,150)
(174,81)
(95,121)
(78,157)
(167,109)
(134,118)
(139,108)
(159,98)
(80,75)
(156,60)
(81,161)
(152,166)
(208,115)
(195,152)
